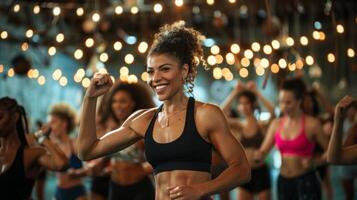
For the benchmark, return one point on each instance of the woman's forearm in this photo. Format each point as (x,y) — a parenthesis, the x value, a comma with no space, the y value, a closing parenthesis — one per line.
(59,160)
(335,144)
(269,106)
(87,129)
(230,178)
(226,106)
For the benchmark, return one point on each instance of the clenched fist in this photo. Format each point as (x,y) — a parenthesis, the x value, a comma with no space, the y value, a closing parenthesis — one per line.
(99,85)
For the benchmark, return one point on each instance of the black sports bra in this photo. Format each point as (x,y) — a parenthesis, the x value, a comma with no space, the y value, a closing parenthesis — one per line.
(188,152)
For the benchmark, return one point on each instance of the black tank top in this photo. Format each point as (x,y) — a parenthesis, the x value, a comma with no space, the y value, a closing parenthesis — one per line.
(13,183)
(252,142)
(188,152)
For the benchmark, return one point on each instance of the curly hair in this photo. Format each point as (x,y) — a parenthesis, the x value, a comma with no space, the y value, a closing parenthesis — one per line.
(252,98)
(139,92)
(296,86)
(65,112)
(11,106)
(183,43)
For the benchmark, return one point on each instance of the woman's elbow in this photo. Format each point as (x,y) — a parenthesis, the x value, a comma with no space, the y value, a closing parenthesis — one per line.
(246,173)
(83,156)
(61,165)
(335,160)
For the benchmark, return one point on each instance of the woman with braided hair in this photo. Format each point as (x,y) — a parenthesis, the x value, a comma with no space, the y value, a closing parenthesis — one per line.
(20,163)
(181,133)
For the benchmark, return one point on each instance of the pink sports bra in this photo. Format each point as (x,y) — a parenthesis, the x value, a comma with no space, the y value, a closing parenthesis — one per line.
(299,146)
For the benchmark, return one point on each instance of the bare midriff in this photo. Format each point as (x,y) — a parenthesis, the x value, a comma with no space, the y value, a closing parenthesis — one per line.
(293,166)
(174,178)
(127,173)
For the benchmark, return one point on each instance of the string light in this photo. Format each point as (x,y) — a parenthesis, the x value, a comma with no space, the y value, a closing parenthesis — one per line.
(36,9)
(17,8)
(129,59)
(78,54)
(157,8)
(316,35)
(210,2)
(35,73)
(322,35)
(248,53)
(230,60)
(256,46)
(56,11)
(77,78)
(85,82)
(225,71)
(11,72)
(331,58)
(340,29)
(145,76)
(267,49)
(275,44)
(30,73)
(289,41)
(245,62)
(282,63)
(29,33)
(134,10)
(52,51)
(215,50)
(132,79)
(124,78)
(81,73)
(274,68)
(235,48)
(60,37)
(63,81)
(211,60)
(95,17)
(117,46)
(41,80)
(124,70)
(309,60)
(89,42)
(80,11)
(24,46)
(217,73)
(143,46)
(243,72)
(179,3)
(317,25)
(256,62)
(299,64)
(350,52)
(259,71)
(57,74)
(1,68)
(292,66)
(4,35)
(229,76)
(219,59)
(119,10)
(264,62)
(231,1)
(103,57)
(304,41)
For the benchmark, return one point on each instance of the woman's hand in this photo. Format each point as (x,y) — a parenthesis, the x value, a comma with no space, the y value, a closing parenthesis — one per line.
(184,192)
(239,87)
(252,86)
(99,85)
(342,106)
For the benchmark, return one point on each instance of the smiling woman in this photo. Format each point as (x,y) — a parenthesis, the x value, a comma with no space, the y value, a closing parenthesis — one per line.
(181,133)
